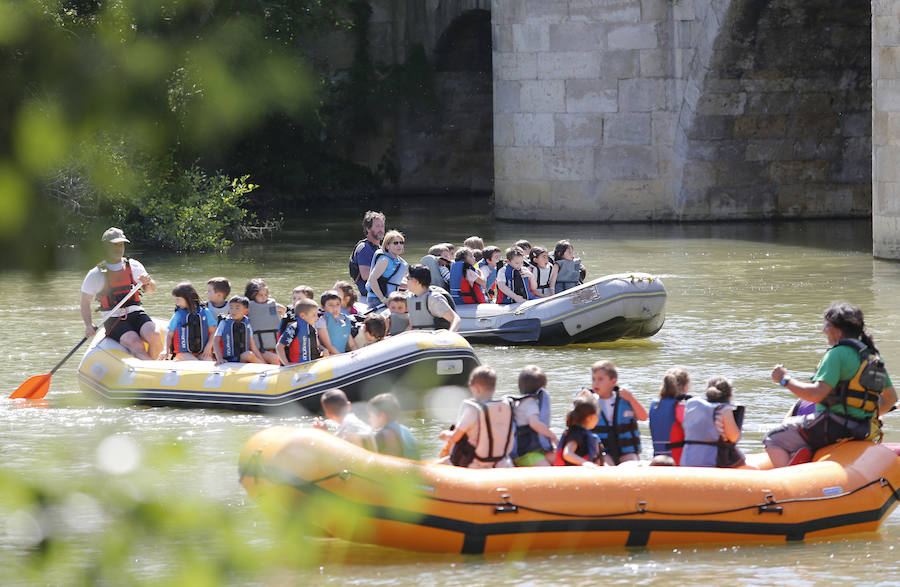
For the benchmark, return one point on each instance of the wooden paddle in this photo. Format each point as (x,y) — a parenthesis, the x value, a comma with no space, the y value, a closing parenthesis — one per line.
(525,330)
(37,386)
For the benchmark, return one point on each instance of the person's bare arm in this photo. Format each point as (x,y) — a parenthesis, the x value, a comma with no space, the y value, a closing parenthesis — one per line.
(86,300)
(217,350)
(639,412)
(535,423)
(888,399)
(811,392)
(454,320)
(255,350)
(279,350)
(372,280)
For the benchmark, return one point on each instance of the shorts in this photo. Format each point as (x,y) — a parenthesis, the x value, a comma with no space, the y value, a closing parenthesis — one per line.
(813,431)
(530,458)
(132,322)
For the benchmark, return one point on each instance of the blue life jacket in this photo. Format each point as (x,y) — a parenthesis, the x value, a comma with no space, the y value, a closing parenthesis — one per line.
(515,282)
(665,430)
(235,339)
(457,274)
(527,439)
(587,446)
(390,280)
(490,275)
(410,446)
(569,274)
(192,333)
(621,436)
(338,331)
(301,344)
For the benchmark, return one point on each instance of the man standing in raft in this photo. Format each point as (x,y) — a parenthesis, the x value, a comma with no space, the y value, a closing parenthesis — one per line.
(851,388)
(361,259)
(109,282)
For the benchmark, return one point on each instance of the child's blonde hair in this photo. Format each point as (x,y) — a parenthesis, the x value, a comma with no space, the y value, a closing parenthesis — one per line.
(306,291)
(396,296)
(674,381)
(305,305)
(608,366)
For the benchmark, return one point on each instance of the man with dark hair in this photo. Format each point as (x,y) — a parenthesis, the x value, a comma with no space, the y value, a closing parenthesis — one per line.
(361,259)
(430,306)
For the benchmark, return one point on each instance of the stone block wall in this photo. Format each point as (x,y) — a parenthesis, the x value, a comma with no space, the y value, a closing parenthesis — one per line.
(886,128)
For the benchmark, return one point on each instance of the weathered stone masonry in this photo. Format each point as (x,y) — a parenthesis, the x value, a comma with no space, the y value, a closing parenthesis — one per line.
(629,110)
(886,128)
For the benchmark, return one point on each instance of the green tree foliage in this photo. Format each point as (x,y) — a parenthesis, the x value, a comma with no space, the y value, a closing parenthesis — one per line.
(151,77)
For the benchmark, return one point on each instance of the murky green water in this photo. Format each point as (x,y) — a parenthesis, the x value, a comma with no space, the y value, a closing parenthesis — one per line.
(742,297)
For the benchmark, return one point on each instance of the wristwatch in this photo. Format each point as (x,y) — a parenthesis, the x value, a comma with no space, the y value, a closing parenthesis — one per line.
(784,380)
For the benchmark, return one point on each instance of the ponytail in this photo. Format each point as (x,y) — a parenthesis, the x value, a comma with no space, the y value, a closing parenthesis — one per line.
(674,381)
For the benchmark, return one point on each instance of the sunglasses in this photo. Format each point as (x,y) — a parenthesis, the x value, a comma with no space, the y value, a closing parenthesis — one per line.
(398,242)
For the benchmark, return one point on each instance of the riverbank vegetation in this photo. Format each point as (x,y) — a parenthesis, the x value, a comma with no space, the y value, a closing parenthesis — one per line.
(190,123)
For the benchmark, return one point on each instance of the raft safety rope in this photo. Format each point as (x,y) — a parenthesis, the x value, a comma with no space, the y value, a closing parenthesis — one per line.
(771,505)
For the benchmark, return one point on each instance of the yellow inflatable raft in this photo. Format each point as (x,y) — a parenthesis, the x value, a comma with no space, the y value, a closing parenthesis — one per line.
(407,365)
(361,496)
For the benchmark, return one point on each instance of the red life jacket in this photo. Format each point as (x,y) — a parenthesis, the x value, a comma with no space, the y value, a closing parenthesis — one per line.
(471,293)
(118,284)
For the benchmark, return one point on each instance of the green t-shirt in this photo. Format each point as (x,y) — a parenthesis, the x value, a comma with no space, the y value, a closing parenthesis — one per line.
(840,363)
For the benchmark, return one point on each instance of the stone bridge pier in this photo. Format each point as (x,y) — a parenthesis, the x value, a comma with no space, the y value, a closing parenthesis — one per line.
(886,128)
(635,110)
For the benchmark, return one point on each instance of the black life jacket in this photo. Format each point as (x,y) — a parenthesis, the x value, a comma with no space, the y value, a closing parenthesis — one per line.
(863,391)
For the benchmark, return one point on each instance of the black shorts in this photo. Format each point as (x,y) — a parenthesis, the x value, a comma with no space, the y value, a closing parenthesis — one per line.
(119,325)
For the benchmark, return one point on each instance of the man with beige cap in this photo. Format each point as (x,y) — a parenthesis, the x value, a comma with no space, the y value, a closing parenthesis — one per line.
(109,282)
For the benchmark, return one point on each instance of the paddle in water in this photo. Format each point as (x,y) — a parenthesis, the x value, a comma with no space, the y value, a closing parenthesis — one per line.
(37,386)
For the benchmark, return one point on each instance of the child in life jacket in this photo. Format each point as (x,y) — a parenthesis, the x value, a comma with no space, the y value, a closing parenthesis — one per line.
(466,282)
(544,282)
(471,445)
(333,327)
(397,319)
(265,318)
(618,416)
(299,343)
(525,246)
(217,291)
(568,273)
(512,280)
(535,442)
(298,293)
(348,297)
(346,425)
(191,328)
(578,445)
(490,258)
(391,437)
(667,414)
(374,329)
(712,427)
(233,341)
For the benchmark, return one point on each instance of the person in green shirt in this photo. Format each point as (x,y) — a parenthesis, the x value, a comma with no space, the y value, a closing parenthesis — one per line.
(796,438)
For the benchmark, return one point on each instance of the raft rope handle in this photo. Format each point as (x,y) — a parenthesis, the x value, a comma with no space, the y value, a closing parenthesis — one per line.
(507,504)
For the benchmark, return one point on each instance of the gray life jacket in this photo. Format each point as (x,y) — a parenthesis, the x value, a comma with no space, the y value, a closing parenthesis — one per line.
(420,308)
(264,320)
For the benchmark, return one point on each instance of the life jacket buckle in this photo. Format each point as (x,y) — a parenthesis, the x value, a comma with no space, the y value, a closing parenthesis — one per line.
(506,507)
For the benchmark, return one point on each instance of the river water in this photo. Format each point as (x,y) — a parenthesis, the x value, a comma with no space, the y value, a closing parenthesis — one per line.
(742,297)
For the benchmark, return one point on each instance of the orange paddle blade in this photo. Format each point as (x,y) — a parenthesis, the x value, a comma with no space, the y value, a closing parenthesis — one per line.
(34,387)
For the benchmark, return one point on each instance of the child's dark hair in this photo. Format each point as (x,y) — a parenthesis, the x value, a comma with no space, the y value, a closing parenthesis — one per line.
(536,252)
(396,296)
(386,404)
(560,249)
(849,320)
(718,390)
(186,290)
(376,326)
(523,244)
(221,285)
(583,407)
(334,400)
(420,273)
(346,289)
(531,379)
(308,291)
(253,287)
(488,252)
(513,252)
(329,294)
(462,253)
(242,300)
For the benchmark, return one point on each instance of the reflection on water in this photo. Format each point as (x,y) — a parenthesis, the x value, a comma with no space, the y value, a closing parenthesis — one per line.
(742,297)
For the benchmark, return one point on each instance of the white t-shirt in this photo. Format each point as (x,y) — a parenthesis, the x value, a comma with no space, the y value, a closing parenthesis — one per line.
(606,406)
(94,282)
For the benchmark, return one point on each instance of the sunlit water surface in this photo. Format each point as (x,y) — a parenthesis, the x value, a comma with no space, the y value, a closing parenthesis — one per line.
(742,297)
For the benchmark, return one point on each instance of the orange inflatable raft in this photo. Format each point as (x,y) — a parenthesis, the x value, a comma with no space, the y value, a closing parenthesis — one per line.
(361,496)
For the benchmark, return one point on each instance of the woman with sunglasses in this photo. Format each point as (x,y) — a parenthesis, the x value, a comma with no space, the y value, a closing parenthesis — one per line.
(388,269)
